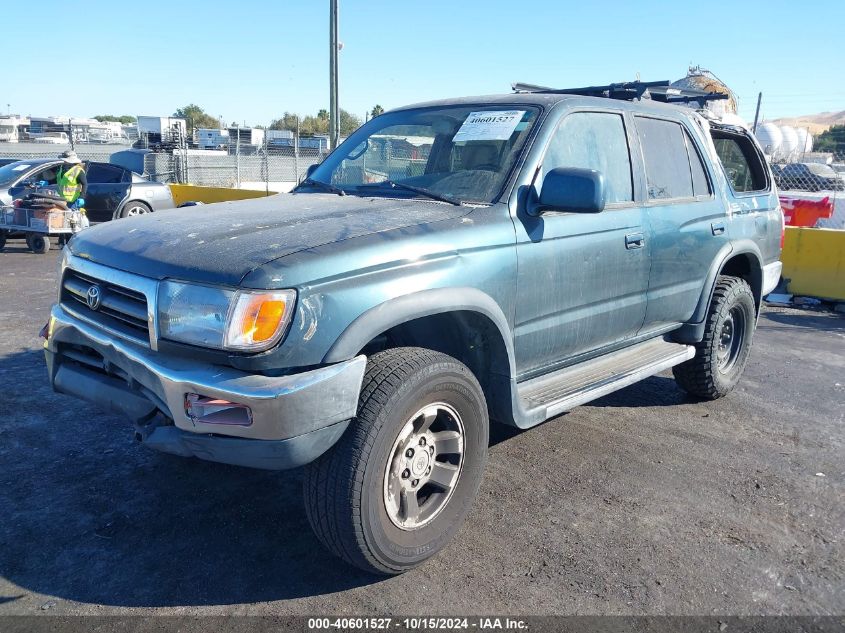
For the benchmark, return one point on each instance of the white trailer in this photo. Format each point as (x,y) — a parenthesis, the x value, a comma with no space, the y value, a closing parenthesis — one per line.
(12,128)
(162,125)
(209,138)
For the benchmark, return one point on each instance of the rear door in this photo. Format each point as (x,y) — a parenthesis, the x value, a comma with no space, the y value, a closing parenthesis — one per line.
(688,221)
(108,186)
(582,276)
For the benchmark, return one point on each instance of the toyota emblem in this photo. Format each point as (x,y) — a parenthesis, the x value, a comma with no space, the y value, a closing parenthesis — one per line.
(92,297)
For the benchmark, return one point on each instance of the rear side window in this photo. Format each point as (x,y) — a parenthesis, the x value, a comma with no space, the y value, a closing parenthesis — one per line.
(667,162)
(742,163)
(594,140)
(104,174)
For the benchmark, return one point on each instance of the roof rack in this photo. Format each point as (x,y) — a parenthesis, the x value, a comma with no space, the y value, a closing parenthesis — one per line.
(631,90)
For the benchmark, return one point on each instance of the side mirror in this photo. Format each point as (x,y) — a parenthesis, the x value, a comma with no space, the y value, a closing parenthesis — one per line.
(311,169)
(573,189)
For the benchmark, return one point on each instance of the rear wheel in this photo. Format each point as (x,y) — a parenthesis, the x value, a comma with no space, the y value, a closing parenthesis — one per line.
(398,485)
(2,240)
(38,243)
(722,354)
(135,207)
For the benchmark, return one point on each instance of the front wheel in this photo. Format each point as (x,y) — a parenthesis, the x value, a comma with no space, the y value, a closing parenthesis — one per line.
(398,485)
(722,354)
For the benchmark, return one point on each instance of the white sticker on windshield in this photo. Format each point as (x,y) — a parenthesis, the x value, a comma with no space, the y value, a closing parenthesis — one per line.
(491,125)
(20,167)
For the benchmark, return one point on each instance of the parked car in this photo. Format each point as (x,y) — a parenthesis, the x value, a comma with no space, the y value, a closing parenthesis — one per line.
(513,257)
(810,177)
(113,192)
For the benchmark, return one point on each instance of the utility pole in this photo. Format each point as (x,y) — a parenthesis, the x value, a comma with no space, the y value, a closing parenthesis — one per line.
(757,113)
(334,112)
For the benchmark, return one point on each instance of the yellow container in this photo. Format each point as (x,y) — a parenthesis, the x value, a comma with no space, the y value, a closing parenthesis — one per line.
(814,262)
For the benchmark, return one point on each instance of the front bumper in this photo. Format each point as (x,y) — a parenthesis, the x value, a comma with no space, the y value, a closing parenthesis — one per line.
(295,418)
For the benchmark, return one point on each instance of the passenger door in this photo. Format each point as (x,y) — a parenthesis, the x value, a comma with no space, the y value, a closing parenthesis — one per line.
(107,188)
(688,222)
(582,277)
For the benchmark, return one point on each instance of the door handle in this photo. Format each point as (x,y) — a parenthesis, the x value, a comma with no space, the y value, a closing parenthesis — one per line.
(634,240)
(718,228)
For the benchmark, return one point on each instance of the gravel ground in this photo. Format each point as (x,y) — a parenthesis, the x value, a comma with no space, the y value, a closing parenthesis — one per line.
(645,502)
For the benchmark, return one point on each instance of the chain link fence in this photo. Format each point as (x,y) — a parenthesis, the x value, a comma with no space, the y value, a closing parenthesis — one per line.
(821,172)
(261,170)
(271,165)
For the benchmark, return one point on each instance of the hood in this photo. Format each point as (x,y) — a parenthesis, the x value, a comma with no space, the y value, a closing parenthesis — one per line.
(221,243)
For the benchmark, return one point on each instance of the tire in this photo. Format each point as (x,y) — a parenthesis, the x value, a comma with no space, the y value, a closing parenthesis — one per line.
(353,492)
(2,240)
(722,354)
(38,243)
(135,207)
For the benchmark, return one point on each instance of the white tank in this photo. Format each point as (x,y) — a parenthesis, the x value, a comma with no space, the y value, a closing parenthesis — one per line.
(770,138)
(805,140)
(789,148)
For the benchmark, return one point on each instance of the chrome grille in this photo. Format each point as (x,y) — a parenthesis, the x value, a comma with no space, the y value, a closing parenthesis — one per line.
(120,309)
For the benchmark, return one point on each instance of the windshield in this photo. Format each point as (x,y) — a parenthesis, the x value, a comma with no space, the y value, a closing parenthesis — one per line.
(11,172)
(456,153)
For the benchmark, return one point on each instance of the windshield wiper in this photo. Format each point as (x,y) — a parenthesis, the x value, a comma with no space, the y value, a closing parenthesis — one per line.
(423,192)
(323,185)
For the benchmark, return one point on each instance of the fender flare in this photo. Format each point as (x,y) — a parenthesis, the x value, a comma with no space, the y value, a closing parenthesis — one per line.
(412,306)
(693,330)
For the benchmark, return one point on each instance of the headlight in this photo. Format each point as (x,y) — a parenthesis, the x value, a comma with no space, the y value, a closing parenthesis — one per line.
(248,320)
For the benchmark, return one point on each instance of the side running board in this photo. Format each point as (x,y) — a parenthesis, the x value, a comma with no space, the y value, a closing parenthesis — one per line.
(565,389)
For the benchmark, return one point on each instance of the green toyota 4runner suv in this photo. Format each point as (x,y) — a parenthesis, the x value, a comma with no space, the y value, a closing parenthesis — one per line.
(501,258)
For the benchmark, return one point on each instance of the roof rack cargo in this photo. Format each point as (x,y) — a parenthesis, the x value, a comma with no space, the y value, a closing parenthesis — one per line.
(629,91)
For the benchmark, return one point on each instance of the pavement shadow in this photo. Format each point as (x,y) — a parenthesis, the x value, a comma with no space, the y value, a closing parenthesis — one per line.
(824,321)
(657,391)
(90,516)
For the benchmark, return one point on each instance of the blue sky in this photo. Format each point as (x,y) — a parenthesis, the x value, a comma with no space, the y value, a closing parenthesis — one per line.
(250,60)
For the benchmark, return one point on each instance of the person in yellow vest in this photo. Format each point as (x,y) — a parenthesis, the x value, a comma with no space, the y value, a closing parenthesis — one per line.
(70,179)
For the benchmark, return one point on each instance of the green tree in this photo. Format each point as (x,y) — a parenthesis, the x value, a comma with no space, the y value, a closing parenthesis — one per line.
(312,125)
(110,118)
(288,121)
(377,110)
(196,117)
(831,140)
(348,123)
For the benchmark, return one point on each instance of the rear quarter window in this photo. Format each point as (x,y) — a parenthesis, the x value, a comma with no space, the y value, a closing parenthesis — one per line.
(741,161)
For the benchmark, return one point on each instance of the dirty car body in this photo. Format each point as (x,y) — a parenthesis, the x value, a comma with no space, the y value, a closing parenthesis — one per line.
(424,231)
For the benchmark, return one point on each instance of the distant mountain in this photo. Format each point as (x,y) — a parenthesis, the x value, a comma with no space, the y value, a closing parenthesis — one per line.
(815,123)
